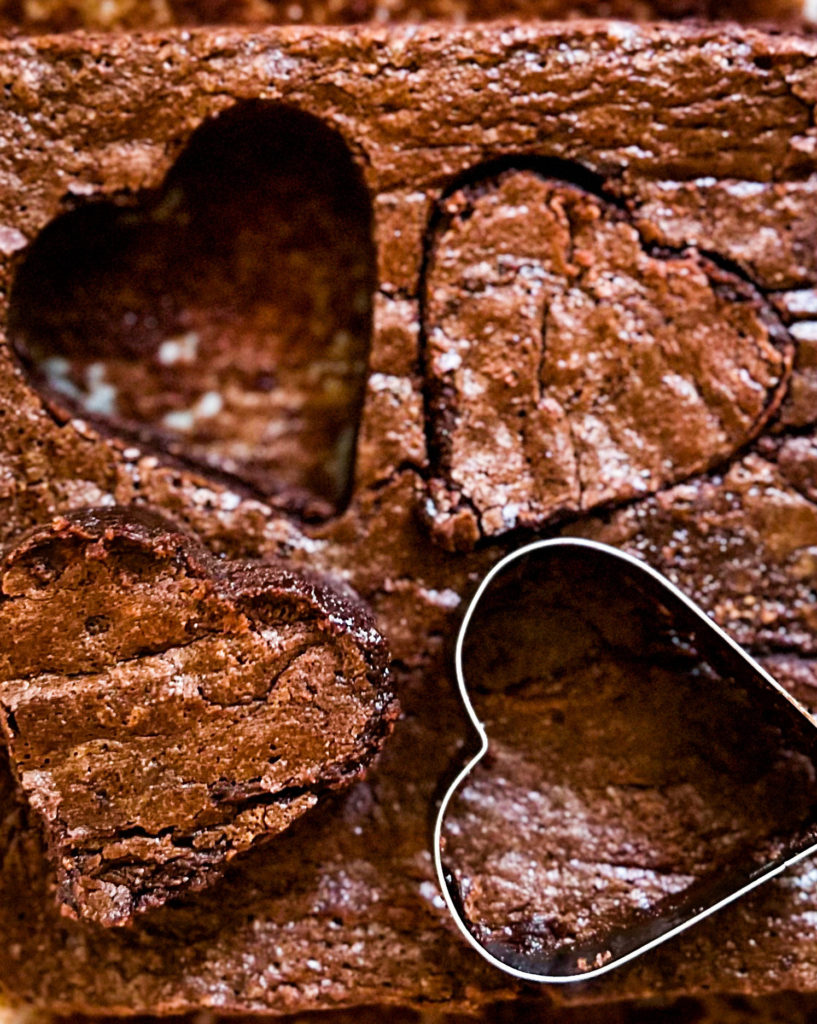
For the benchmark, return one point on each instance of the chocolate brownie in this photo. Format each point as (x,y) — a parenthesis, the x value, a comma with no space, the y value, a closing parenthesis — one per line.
(552,356)
(163,709)
(685,156)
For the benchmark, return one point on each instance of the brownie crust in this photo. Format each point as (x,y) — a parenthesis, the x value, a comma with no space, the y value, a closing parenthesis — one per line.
(704,137)
(523,434)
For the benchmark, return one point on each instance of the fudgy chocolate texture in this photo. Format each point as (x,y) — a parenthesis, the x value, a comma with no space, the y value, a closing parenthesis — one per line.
(705,137)
(164,709)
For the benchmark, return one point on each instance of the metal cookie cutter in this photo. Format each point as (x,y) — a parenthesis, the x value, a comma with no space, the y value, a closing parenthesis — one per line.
(736,684)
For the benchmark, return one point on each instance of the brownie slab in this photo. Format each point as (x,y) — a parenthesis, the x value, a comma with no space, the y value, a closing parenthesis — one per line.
(164,710)
(704,136)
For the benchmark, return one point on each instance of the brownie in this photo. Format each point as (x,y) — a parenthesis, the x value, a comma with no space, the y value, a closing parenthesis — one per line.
(164,709)
(552,357)
(664,167)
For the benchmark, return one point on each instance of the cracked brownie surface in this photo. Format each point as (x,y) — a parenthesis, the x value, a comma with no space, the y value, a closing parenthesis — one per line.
(568,366)
(705,136)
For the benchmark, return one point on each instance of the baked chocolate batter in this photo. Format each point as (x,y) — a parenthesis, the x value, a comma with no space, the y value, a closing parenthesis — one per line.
(164,710)
(704,136)
(553,358)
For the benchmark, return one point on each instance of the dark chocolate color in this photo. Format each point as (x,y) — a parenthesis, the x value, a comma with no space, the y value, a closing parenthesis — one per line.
(38,16)
(704,137)
(164,710)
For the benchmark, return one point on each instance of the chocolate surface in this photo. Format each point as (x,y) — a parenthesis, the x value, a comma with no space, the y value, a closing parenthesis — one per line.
(704,136)
(163,709)
(568,366)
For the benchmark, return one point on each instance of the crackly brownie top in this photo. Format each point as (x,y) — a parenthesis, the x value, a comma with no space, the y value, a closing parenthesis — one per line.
(704,138)
(570,363)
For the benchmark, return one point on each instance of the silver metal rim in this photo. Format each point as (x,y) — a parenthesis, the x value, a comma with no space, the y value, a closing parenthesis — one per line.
(641,566)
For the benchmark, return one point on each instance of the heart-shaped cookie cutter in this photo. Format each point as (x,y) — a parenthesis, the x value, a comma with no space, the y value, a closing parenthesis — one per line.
(565,965)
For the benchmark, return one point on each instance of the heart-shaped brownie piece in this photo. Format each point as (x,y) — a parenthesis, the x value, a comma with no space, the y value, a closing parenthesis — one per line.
(637,769)
(569,364)
(165,709)
(222,320)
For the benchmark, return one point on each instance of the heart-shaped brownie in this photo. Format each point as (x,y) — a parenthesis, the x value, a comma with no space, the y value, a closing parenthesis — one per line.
(637,769)
(165,709)
(569,364)
(222,320)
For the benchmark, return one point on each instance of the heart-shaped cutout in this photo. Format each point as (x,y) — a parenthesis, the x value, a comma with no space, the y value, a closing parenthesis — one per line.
(165,709)
(637,769)
(568,365)
(223,320)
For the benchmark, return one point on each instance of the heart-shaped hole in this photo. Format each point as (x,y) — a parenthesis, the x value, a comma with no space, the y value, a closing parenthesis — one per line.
(570,364)
(639,769)
(223,319)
